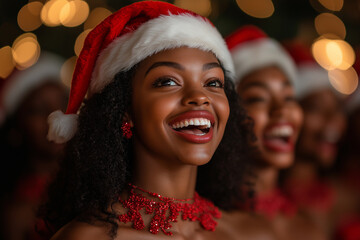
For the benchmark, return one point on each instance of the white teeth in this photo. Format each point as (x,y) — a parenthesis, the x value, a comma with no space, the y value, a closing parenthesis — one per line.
(281,131)
(192,122)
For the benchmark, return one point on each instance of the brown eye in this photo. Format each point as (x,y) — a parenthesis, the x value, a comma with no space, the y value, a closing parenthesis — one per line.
(252,100)
(164,82)
(215,83)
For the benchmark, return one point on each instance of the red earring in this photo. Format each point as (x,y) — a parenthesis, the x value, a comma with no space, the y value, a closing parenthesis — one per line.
(126,129)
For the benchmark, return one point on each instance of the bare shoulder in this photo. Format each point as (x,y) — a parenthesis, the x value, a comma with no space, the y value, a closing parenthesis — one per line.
(245,225)
(76,230)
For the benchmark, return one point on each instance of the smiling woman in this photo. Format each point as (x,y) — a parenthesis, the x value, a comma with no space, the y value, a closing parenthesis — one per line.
(155,138)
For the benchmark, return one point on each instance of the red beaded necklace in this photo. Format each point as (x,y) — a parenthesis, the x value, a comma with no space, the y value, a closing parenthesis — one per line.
(166,210)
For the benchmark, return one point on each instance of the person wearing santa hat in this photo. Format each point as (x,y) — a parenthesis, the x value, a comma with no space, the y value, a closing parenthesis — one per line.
(159,105)
(264,79)
(317,148)
(29,160)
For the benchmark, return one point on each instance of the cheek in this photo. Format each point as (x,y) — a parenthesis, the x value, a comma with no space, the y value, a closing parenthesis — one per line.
(260,118)
(297,117)
(312,123)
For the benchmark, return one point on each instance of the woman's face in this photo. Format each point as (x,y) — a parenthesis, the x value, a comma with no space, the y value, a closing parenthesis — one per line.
(33,114)
(324,125)
(179,107)
(269,99)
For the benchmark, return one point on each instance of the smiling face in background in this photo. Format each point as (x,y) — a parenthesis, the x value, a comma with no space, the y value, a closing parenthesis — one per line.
(268,97)
(179,107)
(324,125)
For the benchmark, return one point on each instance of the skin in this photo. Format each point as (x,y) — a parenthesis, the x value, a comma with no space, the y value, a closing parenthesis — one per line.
(269,99)
(42,156)
(165,162)
(324,126)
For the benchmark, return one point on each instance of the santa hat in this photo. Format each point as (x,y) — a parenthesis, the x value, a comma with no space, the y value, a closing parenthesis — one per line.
(311,76)
(20,83)
(126,38)
(252,49)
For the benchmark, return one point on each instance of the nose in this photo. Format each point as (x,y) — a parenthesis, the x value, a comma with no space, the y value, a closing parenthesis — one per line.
(278,108)
(195,97)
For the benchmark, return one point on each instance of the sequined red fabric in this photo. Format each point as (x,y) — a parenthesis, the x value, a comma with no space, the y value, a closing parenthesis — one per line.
(275,203)
(166,211)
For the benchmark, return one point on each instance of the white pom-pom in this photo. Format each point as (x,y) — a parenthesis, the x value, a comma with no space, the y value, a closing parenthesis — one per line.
(62,127)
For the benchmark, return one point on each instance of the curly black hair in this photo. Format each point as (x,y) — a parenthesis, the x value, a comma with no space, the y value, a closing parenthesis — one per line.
(98,163)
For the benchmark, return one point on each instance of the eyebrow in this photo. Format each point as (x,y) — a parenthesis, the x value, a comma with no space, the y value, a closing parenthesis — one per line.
(167,64)
(262,85)
(178,66)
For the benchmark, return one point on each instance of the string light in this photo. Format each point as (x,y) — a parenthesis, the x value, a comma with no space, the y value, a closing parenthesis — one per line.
(344,81)
(74,13)
(67,71)
(7,62)
(29,16)
(96,16)
(80,41)
(26,50)
(257,8)
(332,5)
(201,7)
(327,24)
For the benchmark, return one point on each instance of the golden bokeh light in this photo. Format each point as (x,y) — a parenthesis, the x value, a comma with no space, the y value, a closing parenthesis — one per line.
(67,70)
(26,51)
(7,62)
(344,81)
(257,8)
(332,5)
(79,43)
(96,16)
(29,16)
(50,13)
(348,54)
(201,7)
(74,13)
(327,24)
(320,51)
(332,54)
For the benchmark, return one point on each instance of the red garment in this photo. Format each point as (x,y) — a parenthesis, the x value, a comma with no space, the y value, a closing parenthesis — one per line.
(317,195)
(32,188)
(349,229)
(272,204)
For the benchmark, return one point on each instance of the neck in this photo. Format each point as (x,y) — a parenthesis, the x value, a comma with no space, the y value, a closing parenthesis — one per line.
(164,177)
(303,172)
(266,180)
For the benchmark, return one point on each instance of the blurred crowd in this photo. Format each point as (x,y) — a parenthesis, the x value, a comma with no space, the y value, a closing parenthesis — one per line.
(322,183)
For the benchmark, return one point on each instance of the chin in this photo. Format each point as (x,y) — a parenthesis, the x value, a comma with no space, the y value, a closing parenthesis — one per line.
(279,160)
(196,158)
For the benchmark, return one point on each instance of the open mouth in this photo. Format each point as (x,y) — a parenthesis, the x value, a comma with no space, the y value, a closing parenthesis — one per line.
(279,138)
(195,126)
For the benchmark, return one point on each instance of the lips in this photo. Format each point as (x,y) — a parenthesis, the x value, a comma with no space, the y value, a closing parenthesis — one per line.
(194,126)
(279,138)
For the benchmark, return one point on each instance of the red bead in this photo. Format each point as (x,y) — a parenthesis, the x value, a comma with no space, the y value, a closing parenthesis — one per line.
(200,209)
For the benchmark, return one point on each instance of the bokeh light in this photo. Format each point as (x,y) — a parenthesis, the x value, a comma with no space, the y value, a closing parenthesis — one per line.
(329,24)
(29,16)
(7,62)
(332,54)
(332,5)
(50,13)
(26,50)
(201,7)
(67,71)
(79,43)
(96,16)
(257,8)
(74,13)
(344,81)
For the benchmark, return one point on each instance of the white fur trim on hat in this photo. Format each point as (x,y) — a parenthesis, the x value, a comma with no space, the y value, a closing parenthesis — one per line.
(156,35)
(21,83)
(261,53)
(62,127)
(311,78)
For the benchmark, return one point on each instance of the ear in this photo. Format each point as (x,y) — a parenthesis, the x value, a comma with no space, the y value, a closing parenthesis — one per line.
(127,118)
